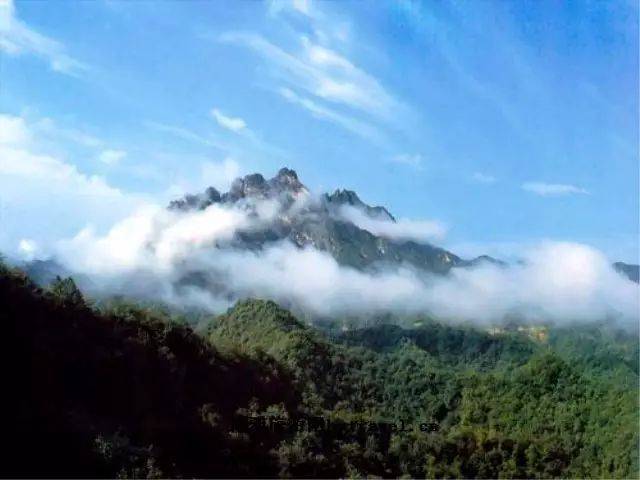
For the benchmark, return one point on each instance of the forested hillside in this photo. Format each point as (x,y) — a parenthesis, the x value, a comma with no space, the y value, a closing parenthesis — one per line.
(117,389)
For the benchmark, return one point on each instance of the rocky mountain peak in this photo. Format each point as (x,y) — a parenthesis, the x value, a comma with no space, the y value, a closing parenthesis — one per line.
(253,185)
(287,174)
(197,202)
(345,197)
(342,197)
(322,224)
(632,272)
(284,184)
(287,180)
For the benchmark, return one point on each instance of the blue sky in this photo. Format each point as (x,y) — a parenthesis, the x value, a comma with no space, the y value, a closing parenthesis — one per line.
(510,122)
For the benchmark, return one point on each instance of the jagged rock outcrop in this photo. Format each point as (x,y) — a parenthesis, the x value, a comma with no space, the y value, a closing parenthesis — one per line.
(199,202)
(317,222)
(340,198)
(487,260)
(632,272)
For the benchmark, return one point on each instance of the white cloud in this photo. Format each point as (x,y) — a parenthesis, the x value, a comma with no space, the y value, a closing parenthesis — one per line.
(413,160)
(296,6)
(302,6)
(484,178)
(27,248)
(17,38)
(186,134)
(322,72)
(562,282)
(220,175)
(326,28)
(318,111)
(211,174)
(13,130)
(552,189)
(510,251)
(44,197)
(246,144)
(401,229)
(230,123)
(21,164)
(111,157)
(152,238)
(312,70)
(159,240)
(49,128)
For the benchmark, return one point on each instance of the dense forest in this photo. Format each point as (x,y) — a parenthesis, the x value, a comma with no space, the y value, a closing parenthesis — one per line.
(118,389)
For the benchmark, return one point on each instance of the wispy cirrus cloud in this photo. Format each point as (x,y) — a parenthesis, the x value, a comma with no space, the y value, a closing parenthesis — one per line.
(484,178)
(17,38)
(185,134)
(321,112)
(553,189)
(303,7)
(235,124)
(321,72)
(312,65)
(325,28)
(48,128)
(410,159)
(45,130)
(111,157)
(242,142)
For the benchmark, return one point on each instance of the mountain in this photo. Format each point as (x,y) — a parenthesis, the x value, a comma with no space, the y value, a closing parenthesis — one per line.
(124,392)
(320,222)
(632,272)
(43,272)
(486,259)
(305,221)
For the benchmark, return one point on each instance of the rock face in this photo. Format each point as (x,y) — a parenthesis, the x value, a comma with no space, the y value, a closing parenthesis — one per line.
(285,186)
(200,202)
(341,198)
(632,272)
(308,221)
(486,259)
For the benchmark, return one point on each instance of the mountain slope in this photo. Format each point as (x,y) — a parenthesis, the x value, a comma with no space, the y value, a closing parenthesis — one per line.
(123,393)
(126,391)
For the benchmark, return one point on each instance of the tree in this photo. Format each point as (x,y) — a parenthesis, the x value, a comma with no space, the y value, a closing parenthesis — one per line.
(66,292)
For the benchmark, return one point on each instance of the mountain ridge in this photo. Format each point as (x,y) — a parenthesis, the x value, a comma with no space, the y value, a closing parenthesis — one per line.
(328,230)
(305,221)
(318,222)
